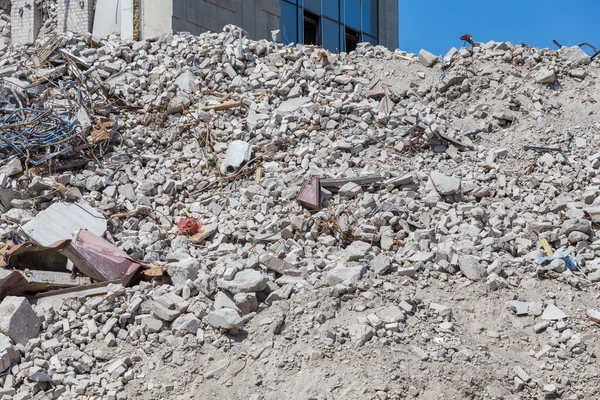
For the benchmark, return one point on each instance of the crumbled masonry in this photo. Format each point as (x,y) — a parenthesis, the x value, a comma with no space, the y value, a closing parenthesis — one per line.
(433,256)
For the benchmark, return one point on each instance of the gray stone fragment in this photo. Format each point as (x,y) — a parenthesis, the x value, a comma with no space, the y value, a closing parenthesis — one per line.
(183,270)
(186,82)
(445,185)
(151,324)
(18,320)
(575,55)
(344,275)
(222,300)
(178,103)
(11,168)
(247,280)
(576,225)
(391,314)
(128,192)
(357,250)
(521,374)
(350,190)
(246,302)
(225,318)
(576,237)
(553,313)
(545,75)
(426,58)
(291,105)
(380,264)
(186,323)
(238,153)
(360,334)
(471,268)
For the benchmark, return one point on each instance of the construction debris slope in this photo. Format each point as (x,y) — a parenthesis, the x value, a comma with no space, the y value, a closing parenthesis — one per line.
(217,217)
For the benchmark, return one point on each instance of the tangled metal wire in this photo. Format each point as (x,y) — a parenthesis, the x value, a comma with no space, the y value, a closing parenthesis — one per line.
(37,135)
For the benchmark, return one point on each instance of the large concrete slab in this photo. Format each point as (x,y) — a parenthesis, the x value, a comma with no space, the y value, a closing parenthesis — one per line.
(107,19)
(156,18)
(62,221)
(127,15)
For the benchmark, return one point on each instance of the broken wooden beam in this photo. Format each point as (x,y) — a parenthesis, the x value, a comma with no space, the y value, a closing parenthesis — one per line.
(222,106)
(336,183)
(14,282)
(94,289)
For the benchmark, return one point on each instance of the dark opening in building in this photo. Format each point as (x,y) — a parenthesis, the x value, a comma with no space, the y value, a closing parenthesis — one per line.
(312,29)
(352,39)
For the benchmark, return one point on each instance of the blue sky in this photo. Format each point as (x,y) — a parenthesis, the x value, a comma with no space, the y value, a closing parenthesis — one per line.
(436,25)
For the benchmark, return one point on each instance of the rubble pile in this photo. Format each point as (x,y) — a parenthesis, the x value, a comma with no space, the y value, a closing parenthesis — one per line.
(220,217)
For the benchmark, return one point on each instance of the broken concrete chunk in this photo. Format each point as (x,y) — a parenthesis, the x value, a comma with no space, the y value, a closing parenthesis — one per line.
(426,58)
(225,318)
(545,75)
(18,320)
(62,221)
(553,313)
(182,271)
(247,280)
(344,275)
(445,185)
(238,153)
(471,268)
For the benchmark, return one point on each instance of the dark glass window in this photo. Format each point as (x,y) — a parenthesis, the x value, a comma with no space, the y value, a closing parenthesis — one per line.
(312,29)
(352,39)
(288,23)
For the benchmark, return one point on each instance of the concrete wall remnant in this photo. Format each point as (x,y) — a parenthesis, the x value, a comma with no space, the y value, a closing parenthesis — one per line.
(75,16)
(156,18)
(107,18)
(26,21)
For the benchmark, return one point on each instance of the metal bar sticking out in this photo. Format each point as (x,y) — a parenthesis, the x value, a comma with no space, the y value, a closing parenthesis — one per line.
(550,149)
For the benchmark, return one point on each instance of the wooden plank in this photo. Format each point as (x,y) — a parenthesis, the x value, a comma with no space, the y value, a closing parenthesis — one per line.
(223,106)
(13,282)
(154,272)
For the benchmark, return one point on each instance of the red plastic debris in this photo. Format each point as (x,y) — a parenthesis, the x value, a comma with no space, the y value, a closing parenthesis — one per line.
(189,226)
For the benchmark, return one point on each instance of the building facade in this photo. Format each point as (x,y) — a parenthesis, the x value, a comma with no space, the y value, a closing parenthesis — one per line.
(337,25)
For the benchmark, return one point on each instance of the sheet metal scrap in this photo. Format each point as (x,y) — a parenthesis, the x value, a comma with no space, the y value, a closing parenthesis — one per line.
(99,259)
(91,255)
(310,193)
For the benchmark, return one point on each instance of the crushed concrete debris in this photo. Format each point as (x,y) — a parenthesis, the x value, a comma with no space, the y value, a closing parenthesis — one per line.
(374,220)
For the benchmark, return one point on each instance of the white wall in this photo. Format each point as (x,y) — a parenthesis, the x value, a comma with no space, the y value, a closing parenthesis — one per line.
(107,19)
(156,18)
